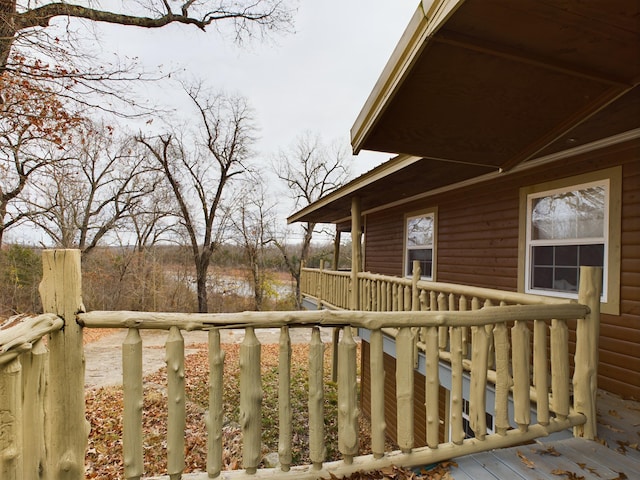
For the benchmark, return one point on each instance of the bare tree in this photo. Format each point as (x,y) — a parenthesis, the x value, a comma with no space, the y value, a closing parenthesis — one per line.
(47,40)
(310,169)
(24,21)
(253,220)
(94,190)
(33,129)
(198,170)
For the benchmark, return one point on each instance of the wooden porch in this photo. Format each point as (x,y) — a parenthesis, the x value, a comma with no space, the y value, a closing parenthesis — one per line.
(518,344)
(613,455)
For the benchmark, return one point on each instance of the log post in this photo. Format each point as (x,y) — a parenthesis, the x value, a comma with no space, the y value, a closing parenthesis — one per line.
(457,434)
(356,254)
(348,411)
(432,387)
(478,387)
(67,428)
(317,450)
(250,401)
(404,389)
(585,378)
(521,361)
(34,385)
(11,455)
(504,381)
(378,424)
(133,401)
(176,403)
(320,291)
(284,400)
(215,416)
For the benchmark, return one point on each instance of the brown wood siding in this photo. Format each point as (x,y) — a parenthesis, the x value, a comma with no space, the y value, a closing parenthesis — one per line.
(390,408)
(384,243)
(477,244)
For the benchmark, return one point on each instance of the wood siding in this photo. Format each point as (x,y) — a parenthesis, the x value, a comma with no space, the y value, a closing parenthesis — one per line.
(390,408)
(477,244)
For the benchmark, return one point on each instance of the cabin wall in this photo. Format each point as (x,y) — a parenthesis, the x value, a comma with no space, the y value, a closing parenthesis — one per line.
(477,244)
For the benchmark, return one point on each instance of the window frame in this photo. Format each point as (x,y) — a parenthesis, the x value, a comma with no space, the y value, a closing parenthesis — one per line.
(612,180)
(431,212)
(532,243)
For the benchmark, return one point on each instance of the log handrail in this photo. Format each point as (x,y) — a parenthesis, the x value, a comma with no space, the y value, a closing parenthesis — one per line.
(329,318)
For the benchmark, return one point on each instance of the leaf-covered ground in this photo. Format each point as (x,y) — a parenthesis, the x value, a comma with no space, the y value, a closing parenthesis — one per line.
(105,406)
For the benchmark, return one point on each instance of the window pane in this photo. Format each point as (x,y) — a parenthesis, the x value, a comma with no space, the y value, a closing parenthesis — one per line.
(567,215)
(592,255)
(542,256)
(542,278)
(425,257)
(565,279)
(420,231)
(566,255)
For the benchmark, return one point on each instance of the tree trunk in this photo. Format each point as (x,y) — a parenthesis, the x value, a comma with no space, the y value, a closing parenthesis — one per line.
(3,214)
(202,269)
(7,31)
(201,282)
(257,286)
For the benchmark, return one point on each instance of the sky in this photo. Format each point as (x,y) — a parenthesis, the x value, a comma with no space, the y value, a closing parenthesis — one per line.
(316,79)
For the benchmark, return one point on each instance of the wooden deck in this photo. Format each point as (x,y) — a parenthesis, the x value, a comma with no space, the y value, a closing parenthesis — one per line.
(614,456)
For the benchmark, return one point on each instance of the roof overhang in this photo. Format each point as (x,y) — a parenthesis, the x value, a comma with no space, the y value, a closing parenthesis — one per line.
(495,82)
(484,86)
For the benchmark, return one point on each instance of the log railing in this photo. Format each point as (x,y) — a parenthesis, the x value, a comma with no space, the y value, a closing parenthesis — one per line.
(62,450)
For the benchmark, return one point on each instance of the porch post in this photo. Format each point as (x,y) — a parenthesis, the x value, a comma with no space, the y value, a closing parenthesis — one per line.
(356,252)
(67,429)
(585,377)
(336,249)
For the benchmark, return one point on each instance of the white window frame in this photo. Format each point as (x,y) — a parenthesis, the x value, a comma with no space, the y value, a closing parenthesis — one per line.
(611,270)
(604,239)
(406,267)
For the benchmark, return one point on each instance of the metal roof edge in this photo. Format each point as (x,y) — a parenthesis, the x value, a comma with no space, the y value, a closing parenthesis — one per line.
(395,164)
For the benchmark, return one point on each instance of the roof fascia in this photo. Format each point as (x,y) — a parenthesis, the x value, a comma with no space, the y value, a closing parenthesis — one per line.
(427,19)
(372,176)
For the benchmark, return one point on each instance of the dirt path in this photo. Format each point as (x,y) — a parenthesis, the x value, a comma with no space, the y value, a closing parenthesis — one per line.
(103,357)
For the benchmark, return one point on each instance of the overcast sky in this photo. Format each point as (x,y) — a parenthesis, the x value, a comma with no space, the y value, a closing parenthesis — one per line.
(316,79)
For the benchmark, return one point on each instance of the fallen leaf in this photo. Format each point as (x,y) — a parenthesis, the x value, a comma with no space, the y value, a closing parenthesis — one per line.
(568,474)
(548,451)
(528,463)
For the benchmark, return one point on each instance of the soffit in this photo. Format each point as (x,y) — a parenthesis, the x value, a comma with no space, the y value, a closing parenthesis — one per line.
(500,80)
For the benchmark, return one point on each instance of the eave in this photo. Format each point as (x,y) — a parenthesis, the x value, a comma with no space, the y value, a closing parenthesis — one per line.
(478,88)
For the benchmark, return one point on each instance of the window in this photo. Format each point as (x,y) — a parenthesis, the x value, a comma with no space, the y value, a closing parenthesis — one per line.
(569,223)
(466,422)
(567,228)
(420,240)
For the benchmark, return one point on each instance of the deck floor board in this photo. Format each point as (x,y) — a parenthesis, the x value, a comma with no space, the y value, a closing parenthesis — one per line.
(583,458)
(486,466)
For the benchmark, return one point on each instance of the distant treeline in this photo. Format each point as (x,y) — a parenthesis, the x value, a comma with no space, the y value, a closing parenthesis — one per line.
(158,278)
